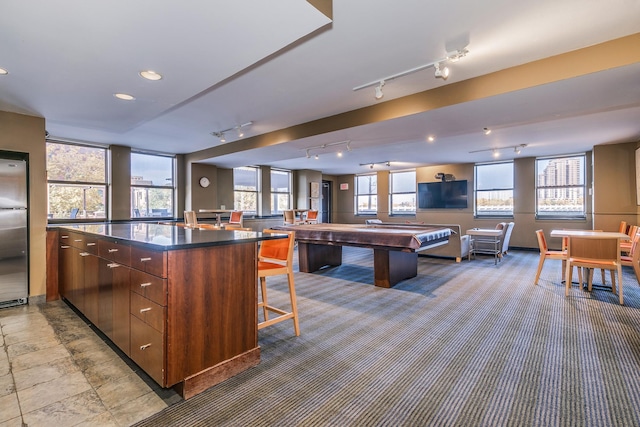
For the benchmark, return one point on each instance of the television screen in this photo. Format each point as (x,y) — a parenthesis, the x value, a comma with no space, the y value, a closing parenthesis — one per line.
(442,195)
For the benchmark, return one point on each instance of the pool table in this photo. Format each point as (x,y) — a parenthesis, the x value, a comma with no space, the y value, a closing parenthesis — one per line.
(395,247)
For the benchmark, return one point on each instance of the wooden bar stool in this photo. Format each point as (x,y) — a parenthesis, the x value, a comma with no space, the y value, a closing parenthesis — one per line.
(275,257)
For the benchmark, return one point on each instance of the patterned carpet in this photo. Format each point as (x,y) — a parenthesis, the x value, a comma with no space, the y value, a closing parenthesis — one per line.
(459,345)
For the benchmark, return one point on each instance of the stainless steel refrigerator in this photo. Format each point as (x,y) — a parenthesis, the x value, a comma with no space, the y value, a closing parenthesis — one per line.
(14,254)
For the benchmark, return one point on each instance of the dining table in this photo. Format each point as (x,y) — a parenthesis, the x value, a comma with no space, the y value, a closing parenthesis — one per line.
(589,234)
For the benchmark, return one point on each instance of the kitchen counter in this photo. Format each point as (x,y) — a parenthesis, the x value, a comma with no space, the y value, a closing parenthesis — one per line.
(181,303)
(166,237)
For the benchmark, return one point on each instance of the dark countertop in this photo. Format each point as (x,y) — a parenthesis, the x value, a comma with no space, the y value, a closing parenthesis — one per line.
(167,237)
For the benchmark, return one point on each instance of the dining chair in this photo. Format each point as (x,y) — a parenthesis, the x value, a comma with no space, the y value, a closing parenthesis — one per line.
(190,219)
(290,218)
(633,258)
(625,247)
(546,253)
(235,218)
(623,227)
(507,237)
(592,253)
(311,218)
(275,257)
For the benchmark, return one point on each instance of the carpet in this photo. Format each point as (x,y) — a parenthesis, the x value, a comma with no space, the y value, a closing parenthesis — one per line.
(461,344)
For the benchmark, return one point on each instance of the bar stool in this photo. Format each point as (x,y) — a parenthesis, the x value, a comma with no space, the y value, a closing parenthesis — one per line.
(275,257)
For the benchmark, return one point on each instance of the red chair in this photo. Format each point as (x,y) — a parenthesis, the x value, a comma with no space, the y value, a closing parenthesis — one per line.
(311,218)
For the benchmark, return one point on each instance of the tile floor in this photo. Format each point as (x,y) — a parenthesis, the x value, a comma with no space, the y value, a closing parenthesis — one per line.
(56,370)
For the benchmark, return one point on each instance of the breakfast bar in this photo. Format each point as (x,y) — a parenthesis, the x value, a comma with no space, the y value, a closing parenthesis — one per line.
(180,302)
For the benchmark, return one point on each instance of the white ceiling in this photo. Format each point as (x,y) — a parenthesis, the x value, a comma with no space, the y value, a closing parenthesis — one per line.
(283,64)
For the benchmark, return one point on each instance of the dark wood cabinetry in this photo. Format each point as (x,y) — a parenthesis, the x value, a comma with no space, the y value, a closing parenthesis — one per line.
(187,316)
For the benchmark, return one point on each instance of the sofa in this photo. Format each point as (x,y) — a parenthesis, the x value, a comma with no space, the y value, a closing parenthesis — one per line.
(458,246)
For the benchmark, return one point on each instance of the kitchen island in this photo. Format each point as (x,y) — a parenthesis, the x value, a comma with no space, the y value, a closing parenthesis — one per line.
(180,302)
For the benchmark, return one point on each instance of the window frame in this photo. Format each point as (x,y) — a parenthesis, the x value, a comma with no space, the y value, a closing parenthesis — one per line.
(476,191)
(274,194)
(392,193)
(371,195)
(564,215)
(256,192)
(147,187)
(104,185)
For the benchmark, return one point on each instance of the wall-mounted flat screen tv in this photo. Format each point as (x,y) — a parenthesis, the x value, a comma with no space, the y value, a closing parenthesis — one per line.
(442,195)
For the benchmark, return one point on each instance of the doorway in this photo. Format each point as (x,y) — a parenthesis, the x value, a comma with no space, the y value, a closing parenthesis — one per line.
(326,201)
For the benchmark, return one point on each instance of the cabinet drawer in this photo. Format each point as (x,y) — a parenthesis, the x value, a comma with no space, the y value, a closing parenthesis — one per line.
(149,286)
(91,244)
(147,349)
(115,250)
(72,239)
(148,311)
(153,262)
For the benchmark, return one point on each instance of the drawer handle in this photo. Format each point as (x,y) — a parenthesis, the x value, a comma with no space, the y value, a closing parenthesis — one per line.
(112,250)
(91,244)
(145,346)
(64,237)
(65,247)
(84,254)
(144,285)
(144,310)
(113,265)
(145,259)
(78,240)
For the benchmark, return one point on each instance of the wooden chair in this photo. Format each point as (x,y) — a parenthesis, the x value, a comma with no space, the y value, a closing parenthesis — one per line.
(603,253)
(190,219)
(275,257)
(633,259)
(311,218)
(290,218)
(625,246)
(545,254)
(235,219)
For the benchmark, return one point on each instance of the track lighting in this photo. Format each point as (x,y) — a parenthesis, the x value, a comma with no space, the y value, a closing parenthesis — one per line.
(379,93)
(442,71)
(486,131)
(324,146)
(372,164)
(238,129)
(517,149)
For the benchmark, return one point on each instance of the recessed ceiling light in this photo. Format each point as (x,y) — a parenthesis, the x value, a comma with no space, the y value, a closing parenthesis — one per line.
(3,72)
(150,75)
(431,138)
(124,96)
(486,131)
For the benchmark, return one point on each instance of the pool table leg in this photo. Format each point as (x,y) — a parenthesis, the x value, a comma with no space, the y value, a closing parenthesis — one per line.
(312,257)
(391,267)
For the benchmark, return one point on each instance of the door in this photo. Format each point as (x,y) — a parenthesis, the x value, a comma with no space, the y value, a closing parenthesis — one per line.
(326,201)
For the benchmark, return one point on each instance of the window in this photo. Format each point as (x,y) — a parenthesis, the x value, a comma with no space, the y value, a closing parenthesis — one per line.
(366,194)
(77,181)
(245,189)
(560,187)
(152,186)
(494,189)
(280,191)
(403,192)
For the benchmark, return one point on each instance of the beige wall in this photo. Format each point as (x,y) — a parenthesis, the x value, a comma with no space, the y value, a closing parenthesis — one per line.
(614,189)
(120,188)
(26,134)
(617,202)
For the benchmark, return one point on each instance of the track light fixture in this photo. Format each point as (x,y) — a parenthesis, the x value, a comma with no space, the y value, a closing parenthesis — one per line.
(221,133)
(330,144)
(442,71)
(517,149)
(372,164)
(379,93)
(486,131)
